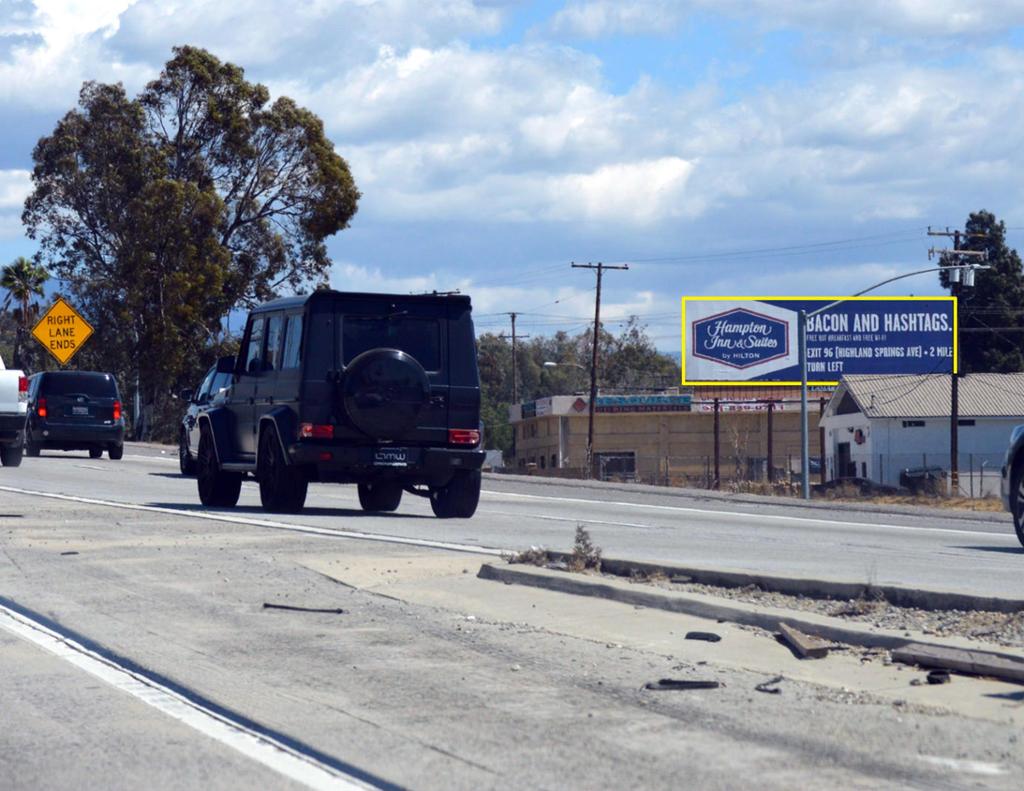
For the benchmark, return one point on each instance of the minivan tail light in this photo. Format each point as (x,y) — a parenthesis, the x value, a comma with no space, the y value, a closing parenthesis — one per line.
(23,388)
(463,436)
(41,407)
(117,410)
(316,431)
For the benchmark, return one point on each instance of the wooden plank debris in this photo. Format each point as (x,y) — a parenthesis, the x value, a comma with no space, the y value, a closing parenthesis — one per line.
(806,646)
(962,660)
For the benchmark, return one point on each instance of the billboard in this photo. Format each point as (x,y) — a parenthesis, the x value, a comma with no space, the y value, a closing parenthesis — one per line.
(753,340)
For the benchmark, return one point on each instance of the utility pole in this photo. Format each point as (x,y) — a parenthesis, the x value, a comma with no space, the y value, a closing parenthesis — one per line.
(953,257)
(599,269)
(515,359)
(515,378)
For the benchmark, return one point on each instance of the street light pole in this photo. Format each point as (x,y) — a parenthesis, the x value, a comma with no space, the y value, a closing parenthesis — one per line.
(553,364)
(805,482)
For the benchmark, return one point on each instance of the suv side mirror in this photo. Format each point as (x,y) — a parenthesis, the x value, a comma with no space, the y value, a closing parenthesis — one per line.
(226,365)
(185,395)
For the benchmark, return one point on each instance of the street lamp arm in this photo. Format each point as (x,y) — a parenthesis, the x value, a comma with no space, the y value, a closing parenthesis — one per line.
(552,364)
(892,280)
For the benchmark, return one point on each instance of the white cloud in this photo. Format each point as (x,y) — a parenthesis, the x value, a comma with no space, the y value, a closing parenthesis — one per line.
(607,17)
(636,192)
(598,18)
(15,185)
(58,46)
(339,33)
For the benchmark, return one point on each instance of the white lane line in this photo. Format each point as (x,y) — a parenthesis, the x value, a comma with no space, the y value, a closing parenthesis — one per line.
(257,746)
(268,523)
(967,767)
(167,459)
(710,512)
(577,519)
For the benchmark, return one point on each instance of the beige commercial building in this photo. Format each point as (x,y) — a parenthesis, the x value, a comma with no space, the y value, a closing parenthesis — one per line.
(667,438)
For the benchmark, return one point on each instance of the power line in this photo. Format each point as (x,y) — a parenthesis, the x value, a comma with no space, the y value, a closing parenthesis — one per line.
(856,242)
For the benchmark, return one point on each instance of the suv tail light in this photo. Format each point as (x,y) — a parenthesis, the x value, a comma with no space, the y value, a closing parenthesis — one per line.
(23,388)
(463,436)
(315,431)
(41,407)
(117,410)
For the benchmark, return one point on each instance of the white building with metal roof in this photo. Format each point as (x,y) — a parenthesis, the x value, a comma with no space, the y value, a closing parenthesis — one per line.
(883,427)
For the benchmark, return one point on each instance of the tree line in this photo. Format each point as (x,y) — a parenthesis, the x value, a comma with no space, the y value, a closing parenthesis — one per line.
(628,362)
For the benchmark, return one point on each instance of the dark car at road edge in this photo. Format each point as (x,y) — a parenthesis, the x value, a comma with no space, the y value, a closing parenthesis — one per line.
(75,410)
(1012,480)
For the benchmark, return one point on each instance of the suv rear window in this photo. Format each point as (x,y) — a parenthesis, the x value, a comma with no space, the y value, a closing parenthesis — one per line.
(100,385)
(420,337)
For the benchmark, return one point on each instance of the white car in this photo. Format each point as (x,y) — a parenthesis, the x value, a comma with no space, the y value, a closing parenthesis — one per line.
(13,413)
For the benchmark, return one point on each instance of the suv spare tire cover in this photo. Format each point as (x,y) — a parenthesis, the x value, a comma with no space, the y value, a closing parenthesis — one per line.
(384,392)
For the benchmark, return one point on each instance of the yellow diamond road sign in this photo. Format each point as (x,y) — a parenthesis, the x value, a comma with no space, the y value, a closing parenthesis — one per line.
(62,331)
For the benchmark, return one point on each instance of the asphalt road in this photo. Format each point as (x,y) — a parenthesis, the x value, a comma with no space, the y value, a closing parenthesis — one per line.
(928,551)
(137,651)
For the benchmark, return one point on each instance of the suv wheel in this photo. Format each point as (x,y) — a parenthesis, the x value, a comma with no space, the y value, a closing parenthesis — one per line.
(380,496)
(115,452)
(459,497)
(216,487)
(1017,501)
(95,453)
(282,486)
(185,462)
(10,455)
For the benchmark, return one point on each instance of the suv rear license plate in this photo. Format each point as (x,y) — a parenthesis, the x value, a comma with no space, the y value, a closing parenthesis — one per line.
(392,457)
(79,410)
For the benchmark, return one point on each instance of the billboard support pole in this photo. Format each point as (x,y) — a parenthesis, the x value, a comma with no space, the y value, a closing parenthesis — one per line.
(821,440)
(716,484)
(805,473)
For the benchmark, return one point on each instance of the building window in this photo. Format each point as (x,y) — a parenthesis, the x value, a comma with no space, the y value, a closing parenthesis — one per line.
(554,460)
(913,424)
(965,422)
(543,459)
(616,465)
(533,429)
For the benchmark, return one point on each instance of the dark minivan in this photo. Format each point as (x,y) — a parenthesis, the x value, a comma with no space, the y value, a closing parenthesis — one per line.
(74,410)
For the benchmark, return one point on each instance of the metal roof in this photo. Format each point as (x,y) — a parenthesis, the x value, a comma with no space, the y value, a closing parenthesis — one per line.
(980,395)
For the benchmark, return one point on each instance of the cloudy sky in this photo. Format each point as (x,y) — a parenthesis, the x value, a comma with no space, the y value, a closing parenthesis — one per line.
(717,146)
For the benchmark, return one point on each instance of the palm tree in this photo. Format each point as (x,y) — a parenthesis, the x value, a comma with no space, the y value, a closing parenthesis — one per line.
(23,280)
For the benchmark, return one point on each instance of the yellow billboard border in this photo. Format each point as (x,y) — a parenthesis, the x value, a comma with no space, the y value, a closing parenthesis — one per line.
(816,383)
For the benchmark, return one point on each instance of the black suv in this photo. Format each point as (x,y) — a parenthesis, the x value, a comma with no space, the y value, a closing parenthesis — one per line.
(74,410)
(374,389)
